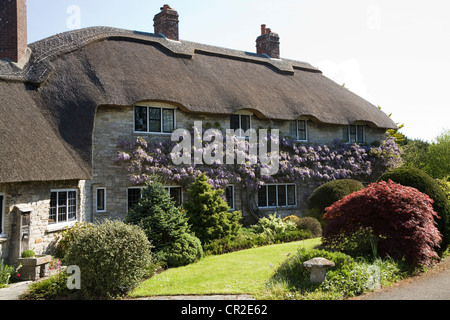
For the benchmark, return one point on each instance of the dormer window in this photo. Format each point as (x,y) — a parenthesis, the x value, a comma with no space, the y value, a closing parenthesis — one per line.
(149,119)
(240,121)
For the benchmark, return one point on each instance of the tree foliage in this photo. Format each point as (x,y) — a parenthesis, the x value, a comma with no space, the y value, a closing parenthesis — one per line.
(209,213)
(401,217)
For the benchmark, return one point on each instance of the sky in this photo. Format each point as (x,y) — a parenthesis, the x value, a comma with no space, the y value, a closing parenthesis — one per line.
(395,54)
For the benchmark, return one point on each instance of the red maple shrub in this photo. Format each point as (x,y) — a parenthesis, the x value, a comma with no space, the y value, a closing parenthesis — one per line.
(401,217)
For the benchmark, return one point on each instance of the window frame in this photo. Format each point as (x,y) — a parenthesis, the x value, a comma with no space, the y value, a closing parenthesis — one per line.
(161,118)
(97,197)
(233,206)
(166,187)
(240,115)
(277,185)
(67,205)
(348,133)
(306,130)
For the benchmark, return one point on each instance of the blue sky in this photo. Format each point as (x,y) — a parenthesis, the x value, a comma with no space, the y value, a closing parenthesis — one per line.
(396,54)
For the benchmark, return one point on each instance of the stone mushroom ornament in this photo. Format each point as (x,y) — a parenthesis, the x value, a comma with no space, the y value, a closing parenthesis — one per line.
(318,269)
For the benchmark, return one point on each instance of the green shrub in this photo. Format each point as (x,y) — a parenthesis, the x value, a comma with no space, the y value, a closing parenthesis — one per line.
(166,226)
(113,257)
(311,224)
(184,250)
(330,192)
(67,236)
(55,287)
(209,213)
(272,225)
(420,180)
(297,276)
(6,272)
(28,254)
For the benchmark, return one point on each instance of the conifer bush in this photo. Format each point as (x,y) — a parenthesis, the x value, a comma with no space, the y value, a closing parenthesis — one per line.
(401,218)
(166,226)
(208,213)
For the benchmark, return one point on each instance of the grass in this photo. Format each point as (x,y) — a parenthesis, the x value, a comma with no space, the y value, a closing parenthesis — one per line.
(242,272)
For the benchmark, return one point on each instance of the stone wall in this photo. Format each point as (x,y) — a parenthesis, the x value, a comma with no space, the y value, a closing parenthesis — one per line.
(113,123)
(34,198)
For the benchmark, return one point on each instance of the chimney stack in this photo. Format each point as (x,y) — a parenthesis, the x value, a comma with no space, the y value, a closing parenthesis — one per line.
(268,43)
(13,29)
(166,23)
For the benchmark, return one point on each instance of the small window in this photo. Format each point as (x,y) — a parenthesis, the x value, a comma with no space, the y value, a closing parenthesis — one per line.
(299,130)
(133,196)
(277,196)
(63,206)
(2,214)
(240,121)
(101,200)
(229,196)
(354,134)
(176,195)
(154,120)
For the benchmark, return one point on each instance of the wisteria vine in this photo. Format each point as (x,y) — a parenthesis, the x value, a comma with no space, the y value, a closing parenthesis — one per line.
(298,162)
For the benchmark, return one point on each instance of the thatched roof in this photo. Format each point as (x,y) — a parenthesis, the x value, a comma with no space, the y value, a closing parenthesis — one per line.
(69,75)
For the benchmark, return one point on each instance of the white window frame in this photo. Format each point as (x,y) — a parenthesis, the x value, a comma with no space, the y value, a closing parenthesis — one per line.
(104,199)
(233,207)
(154,106)
(306,130)
(66,222)
(240,114)
(276,195)
(348,128)
(2,214)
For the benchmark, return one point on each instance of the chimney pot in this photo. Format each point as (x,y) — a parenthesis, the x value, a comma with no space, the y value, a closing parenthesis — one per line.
(13,29)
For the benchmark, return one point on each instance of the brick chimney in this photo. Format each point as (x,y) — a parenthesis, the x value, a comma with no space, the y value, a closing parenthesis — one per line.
(268,43)
(13,29)
(166,23)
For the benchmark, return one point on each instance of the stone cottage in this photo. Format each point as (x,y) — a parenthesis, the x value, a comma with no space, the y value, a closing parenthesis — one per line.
(67,100)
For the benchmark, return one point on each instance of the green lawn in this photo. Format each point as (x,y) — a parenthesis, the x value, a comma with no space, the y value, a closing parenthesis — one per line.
(242,272)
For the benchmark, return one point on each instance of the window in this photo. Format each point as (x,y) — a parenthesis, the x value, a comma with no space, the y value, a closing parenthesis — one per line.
(277,196)
(355,134)
(63,206)
(154,120)
(240,121)
(2,213)
(101,200)
(299,130)
(229,196)
(134,194)
(176,195)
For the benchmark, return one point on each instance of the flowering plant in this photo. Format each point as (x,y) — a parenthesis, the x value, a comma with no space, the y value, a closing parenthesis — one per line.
(298,162)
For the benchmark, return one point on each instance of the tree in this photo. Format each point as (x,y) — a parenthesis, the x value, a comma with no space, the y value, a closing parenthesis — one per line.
(209,213)
(165,225)
(437,160)
(401,220)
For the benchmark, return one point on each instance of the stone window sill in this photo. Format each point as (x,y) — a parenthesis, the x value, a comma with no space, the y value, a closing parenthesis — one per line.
(60,226)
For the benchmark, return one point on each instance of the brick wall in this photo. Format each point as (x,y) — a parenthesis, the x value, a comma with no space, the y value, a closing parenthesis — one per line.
(13,29)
